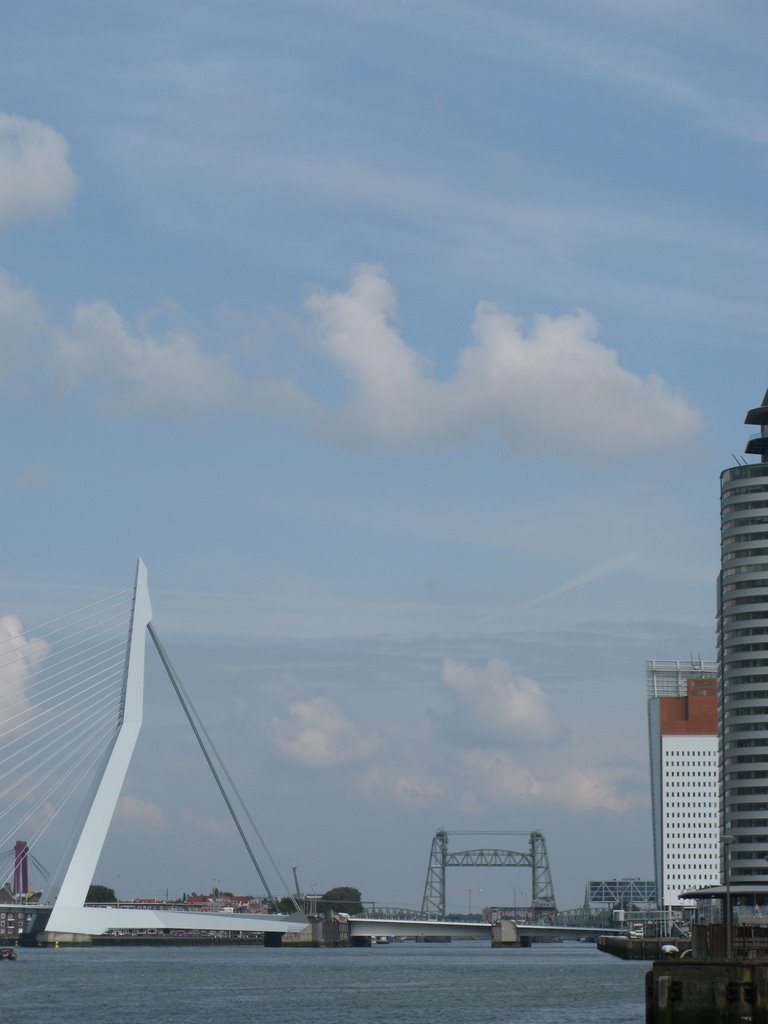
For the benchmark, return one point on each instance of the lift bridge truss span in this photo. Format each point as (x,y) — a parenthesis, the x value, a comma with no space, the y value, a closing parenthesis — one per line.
(535,858)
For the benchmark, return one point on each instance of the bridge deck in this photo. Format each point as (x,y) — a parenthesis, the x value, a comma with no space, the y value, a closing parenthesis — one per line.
(370,927)
(98,920)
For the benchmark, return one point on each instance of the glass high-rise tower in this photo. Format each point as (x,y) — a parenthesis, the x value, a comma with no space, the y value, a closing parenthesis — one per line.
(743,659)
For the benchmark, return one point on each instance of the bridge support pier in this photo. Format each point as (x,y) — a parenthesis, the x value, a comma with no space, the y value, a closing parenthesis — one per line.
(504,933)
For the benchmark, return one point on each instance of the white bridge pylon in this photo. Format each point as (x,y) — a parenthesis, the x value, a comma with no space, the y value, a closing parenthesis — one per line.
(70,915)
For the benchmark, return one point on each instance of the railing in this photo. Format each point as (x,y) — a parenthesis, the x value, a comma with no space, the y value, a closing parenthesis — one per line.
(375,910)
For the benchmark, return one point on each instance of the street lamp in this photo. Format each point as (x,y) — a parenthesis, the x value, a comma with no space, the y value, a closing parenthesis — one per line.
(726,841)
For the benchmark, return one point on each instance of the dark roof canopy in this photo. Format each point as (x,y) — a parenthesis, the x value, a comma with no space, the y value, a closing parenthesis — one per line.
(758,443)
(719,892)
(760,414)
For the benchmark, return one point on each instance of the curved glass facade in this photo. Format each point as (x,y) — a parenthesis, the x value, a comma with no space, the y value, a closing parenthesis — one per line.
(743,662)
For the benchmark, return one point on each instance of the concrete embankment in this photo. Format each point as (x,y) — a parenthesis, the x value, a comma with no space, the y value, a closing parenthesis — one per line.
(59,939)
(627,948)
(707,992)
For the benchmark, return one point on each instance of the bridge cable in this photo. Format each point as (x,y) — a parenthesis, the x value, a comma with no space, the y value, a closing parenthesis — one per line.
(193,718)
(60,709)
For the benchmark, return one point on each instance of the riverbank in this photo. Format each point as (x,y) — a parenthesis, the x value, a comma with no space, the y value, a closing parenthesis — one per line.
(626,948)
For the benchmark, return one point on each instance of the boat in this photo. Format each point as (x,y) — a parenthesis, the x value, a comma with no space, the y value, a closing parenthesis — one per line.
(7,953)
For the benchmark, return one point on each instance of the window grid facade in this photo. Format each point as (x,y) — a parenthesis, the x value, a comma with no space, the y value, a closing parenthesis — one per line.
(682,719)
(691,813)
(743,659)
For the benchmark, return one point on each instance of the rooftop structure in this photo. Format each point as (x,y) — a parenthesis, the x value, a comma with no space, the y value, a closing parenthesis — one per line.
(620,894)
(670,678)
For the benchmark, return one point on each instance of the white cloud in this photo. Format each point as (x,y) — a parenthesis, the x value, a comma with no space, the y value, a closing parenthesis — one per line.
(168,375)
(492,703)
(35,174)
(318,734)
(582,790)
(412,789)
(142,814)
(556,388)
(496,778)
(146,373)
(19,657)
(393,401)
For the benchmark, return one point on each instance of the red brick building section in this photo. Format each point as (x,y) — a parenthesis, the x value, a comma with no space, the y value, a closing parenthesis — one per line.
(692,715)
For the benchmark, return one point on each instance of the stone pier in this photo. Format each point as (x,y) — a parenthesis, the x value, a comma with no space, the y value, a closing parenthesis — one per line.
(707,992)
(504,933)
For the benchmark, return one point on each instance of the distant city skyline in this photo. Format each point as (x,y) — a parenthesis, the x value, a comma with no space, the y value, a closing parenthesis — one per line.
(405,345)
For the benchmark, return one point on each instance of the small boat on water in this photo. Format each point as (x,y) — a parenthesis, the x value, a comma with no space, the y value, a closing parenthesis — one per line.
(7,953)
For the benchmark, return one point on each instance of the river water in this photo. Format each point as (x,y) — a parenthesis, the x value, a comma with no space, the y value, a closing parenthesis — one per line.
(400,983)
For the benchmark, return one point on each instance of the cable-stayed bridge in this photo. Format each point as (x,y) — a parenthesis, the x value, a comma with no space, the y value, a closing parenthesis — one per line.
(71,707)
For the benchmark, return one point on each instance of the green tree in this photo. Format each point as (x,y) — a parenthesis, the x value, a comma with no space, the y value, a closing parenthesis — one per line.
(100,894)
(285,906)
(343,899)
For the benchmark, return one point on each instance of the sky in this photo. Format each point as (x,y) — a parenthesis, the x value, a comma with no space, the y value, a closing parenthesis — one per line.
(405,343)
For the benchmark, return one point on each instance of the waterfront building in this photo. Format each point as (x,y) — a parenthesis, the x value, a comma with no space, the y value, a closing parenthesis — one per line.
(742,632)
(683,742)
(620,894)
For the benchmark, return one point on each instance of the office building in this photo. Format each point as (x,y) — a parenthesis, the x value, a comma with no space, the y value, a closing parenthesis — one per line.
(682,725)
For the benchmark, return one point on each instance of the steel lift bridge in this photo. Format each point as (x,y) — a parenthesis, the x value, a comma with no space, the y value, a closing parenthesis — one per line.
(71,706)
(535,858)
(432,920)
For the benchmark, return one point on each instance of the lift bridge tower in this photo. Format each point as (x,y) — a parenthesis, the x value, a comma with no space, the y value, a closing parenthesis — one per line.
(535,858)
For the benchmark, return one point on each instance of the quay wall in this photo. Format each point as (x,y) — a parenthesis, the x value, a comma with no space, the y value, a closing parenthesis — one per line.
(711,992)
(626,948)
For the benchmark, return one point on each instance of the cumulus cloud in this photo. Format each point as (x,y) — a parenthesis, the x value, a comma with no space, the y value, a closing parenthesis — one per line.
(556,388)
(172,374)
(413,788)
(393,401)
(36,178)
(142,814)
(495,777)
(317,733)
(587,791)
(498,777)
(494,704)
(416,793)
(142,373)
(19,658)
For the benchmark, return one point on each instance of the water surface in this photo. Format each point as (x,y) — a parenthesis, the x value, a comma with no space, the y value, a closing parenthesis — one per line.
(401,983)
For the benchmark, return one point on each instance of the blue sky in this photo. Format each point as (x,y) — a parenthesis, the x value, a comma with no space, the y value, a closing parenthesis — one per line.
(405,343)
